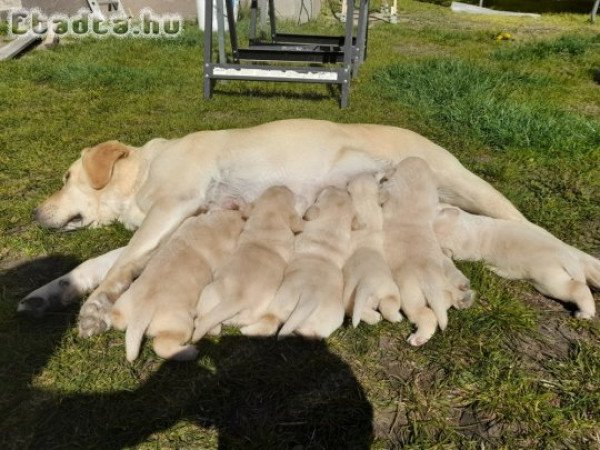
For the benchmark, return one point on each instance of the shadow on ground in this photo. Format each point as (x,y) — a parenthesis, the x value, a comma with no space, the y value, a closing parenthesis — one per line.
(257,393)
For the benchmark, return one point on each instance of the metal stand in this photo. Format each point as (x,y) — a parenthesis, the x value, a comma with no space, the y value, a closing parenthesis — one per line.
(345,53)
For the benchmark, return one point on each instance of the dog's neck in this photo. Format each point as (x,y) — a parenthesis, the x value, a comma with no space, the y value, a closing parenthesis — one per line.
(130,175)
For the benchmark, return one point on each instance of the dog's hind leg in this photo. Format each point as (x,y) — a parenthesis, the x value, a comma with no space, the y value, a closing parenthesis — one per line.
(417,312)
(267,325)
(389,306)
(171,345)
(559,285)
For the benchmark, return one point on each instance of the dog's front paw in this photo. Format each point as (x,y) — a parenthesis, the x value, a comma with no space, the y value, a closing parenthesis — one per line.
(52,297)
(94,317)
(467,300)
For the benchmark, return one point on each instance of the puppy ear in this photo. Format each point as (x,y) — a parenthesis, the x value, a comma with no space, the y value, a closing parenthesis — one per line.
(98,162)
(312,213)
(296,222)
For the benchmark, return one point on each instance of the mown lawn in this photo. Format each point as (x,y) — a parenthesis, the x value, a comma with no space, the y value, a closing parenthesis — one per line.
(514,371)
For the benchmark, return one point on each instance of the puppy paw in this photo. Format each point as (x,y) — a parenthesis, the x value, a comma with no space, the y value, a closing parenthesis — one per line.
(416,340)
(584,315)
(94,317)
(467,300)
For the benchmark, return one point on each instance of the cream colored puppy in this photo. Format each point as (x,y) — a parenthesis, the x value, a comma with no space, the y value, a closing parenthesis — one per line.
(516,251)
(310,298)
(410,202)
(368,282)
(162,301)
(247,281)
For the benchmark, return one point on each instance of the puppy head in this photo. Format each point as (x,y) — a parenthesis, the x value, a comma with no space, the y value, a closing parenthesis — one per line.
(363,185)
(331,201)
(273,204)
(88,181)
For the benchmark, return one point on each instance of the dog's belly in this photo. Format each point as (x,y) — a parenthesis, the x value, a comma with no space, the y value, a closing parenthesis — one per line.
(247,178)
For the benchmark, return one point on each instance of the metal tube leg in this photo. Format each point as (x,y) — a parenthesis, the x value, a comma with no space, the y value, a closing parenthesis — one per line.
(208,85)
(221,31)
(272,19)
(363,23)
(348,54)
(345,95)
(232,30)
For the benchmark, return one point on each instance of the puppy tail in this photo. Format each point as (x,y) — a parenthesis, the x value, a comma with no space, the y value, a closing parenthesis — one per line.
(216,316)
(361,298)
(591,268)
(135,332)
(302,311)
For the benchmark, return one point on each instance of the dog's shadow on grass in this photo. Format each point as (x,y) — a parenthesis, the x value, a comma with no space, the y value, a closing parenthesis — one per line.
(256,393)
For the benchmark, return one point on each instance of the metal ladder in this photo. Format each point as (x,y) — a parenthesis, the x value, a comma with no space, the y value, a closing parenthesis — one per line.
(114,6)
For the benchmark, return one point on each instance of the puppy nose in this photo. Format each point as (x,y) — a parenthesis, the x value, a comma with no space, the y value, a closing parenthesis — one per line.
(35,214)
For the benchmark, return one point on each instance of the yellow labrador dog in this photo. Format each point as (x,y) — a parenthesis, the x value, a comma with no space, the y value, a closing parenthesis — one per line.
(410,203)
(158,185)
(520,252)
(247,281)
(162,301)
(310,297)
(368,282)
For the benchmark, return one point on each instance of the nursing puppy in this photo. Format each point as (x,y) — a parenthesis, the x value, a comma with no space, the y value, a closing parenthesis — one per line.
(410,202)
(310,298)
(247,281)
(163,299)
(517,251)
(368,282)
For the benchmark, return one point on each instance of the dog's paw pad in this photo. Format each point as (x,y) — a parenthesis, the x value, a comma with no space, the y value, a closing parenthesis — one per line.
(94,317)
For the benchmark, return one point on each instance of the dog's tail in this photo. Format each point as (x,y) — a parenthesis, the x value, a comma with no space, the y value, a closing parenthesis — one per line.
(135,332)
(303,310)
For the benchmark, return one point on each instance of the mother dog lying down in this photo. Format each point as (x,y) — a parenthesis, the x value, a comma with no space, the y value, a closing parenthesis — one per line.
(157,186)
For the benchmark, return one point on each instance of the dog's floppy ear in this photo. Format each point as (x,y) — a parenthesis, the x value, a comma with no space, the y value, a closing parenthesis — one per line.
(312,213)
(98,161)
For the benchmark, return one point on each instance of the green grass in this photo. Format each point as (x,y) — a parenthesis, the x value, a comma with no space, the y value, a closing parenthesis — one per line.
(485,105)
(513,371)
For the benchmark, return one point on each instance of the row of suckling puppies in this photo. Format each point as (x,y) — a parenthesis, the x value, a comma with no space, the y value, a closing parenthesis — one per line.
(368,252)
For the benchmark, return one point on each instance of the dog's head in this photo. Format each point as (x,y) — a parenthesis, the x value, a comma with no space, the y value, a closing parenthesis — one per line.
(91,192)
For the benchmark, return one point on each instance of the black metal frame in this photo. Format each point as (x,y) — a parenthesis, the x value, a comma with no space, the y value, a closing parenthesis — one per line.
(347,52)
